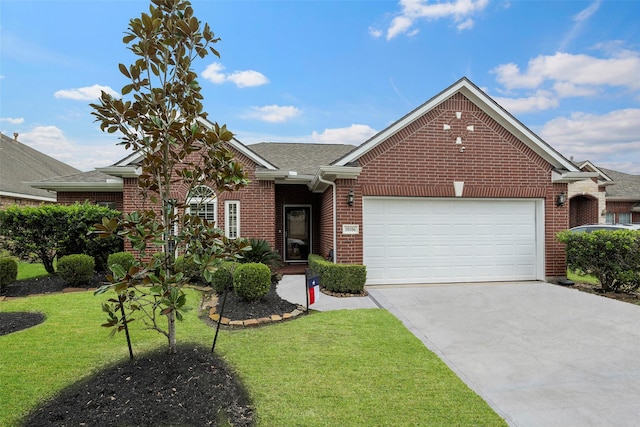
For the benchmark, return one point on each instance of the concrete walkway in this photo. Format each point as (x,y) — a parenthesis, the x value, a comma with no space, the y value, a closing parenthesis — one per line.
(292,288)
(539,354)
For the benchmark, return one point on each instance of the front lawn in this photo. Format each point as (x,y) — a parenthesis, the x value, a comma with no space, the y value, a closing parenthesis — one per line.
(360,367)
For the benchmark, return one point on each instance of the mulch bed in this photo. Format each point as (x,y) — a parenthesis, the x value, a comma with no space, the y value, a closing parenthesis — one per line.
(190,388)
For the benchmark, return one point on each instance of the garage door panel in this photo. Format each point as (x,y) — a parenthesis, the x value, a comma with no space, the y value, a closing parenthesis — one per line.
(418,240)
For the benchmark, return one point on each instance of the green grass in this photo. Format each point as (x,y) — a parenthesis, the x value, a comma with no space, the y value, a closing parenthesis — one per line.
(582,278)
(28,270)
(359,367)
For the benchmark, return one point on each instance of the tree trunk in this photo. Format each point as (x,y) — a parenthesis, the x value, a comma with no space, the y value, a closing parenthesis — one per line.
(48,264)
(171,319)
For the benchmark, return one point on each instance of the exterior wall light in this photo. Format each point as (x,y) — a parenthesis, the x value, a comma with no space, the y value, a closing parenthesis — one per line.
(351,198)
(561,199)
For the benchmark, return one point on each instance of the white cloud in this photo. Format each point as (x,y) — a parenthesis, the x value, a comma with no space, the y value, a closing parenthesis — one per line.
(620,70)
(579,22)
(273,113)
(213,73)
(354,135)
(541,101)
(89,93)
(52,141)
(461,11)
(242,79)
(611,139)
(376,33)
(11,120)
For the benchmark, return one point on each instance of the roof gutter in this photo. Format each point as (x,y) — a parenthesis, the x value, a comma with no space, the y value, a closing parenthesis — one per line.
(121,171)
(111,185)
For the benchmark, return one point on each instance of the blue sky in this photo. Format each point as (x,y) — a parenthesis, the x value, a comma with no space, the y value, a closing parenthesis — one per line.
(337,71)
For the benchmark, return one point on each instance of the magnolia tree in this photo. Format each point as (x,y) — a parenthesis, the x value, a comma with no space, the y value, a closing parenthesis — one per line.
(163,121)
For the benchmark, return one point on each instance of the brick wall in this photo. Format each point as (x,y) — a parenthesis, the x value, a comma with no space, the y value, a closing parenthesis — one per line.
(584,210)
(6,201)
(69,198)
(423,160)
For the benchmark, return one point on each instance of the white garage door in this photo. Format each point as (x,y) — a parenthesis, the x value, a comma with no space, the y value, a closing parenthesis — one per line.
(418,240)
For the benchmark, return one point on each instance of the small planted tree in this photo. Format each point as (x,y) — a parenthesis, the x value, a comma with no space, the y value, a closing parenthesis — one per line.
(180,151)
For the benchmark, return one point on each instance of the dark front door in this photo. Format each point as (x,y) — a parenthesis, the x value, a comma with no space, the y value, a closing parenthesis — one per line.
(297,229)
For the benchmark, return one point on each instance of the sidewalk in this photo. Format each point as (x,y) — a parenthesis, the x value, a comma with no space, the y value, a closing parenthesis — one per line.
(292,288)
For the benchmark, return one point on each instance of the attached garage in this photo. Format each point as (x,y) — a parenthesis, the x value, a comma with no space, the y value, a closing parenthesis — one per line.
(409,240)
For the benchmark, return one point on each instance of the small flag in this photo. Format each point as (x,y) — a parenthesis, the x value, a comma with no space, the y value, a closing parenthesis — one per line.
(313,288)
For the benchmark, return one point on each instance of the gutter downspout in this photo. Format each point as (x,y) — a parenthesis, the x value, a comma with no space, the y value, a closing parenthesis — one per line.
(335,237)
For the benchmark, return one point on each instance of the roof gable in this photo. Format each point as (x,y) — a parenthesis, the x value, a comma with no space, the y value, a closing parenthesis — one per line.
(482,101)
(20,164)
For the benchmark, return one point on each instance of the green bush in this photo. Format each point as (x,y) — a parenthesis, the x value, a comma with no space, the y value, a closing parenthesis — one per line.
(76,269)
(8,272)
(189,268)
(342,278)
(261,252)
(220,278)
(124,259)
(52,231)
(612,256)
(251,281)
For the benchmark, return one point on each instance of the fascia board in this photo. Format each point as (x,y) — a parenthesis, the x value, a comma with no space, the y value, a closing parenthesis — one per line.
(484,102)
(27,196)
(331,173)
(239,146)
(114,186)
(559,177)
(121,171)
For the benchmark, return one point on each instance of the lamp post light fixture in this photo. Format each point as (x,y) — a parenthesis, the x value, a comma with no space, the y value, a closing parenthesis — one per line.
(351,198)
(561,199)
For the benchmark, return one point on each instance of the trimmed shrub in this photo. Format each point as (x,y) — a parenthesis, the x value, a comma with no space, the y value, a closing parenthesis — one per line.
(123,259)
(76,269)
(341,278)
(251,281)
(220,278)
(8,272)
(612,256)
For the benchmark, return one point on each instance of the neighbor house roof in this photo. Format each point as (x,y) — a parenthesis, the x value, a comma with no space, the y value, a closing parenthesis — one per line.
(21,164)
(626,188)
(83,181)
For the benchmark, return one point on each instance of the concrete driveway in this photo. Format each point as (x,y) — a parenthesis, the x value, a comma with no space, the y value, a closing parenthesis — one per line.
(539,354)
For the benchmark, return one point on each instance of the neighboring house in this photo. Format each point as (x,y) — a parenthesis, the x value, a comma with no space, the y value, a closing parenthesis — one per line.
(608,197)
(457,190)
(21,164)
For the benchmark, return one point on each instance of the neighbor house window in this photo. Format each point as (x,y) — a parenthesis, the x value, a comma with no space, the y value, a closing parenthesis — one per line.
(202,202)
(232,219)
(610,218)
(624,218)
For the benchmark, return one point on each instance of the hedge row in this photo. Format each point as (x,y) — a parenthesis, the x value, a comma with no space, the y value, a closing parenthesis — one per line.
(341,278)
(612,256)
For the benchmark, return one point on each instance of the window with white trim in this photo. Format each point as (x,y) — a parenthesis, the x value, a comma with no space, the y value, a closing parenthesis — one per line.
(232,218)
(202,202)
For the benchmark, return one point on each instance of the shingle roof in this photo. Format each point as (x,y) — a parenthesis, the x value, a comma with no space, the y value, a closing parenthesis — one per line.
(300,157)
(20,163)
(626,186)
(81,177)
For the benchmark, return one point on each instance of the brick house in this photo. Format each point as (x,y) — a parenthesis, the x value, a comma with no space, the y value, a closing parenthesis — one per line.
(457,190)
(609,197)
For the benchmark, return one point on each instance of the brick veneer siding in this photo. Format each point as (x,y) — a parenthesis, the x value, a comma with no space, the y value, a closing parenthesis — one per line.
(623,207)
(423,160)
(6,201)
(69,198)
(583,210)
(257,216)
